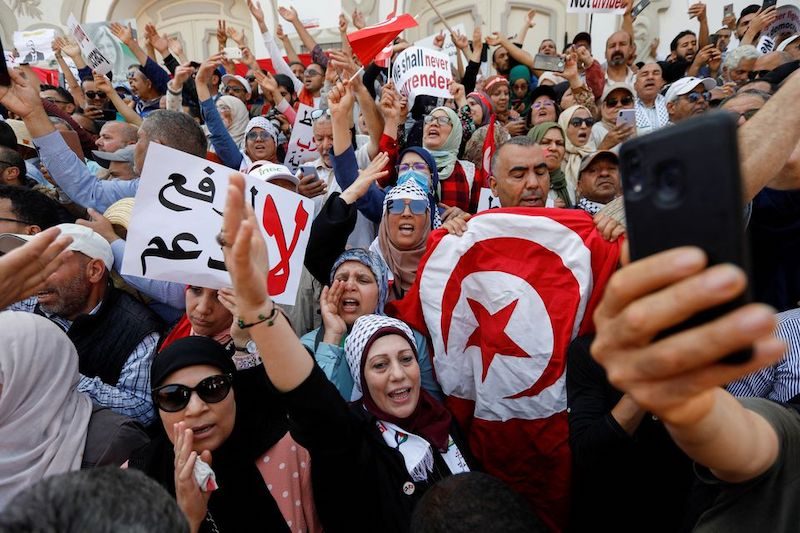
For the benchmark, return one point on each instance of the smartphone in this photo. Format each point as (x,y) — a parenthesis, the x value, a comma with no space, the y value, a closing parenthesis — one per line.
(714,40)
(9,242)
(310,170)
(5,79)
(728,10)
(768,3)
(551,63)
(232,52)
(667,178)
(626,116)
(638,8)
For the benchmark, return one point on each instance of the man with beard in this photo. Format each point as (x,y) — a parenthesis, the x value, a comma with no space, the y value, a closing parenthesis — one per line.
(619,48)
(115,335)
(688,97)
(651,105)
(690,51)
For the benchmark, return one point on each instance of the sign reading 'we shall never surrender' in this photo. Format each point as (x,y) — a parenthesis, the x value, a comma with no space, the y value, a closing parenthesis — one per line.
(178,214)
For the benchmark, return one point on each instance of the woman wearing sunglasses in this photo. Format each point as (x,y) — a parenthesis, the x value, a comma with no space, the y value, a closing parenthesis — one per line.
(48,427)
(260,139)
(373,460)
(235,423)
(577,122)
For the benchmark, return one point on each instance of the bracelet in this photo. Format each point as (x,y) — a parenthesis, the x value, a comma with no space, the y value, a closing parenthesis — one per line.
(270,319)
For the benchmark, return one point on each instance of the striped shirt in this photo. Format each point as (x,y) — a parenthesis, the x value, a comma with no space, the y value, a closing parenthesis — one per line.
(780,382)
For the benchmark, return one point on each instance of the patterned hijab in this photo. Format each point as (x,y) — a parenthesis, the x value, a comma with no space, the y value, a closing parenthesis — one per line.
(558,181)
(374,263)
(574,154)
(266,125)
(447,155)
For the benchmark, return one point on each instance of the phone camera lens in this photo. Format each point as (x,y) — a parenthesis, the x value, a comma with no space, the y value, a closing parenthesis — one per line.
(669,186)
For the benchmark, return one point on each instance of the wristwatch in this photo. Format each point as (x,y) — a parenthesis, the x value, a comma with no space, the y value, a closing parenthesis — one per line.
(250,347)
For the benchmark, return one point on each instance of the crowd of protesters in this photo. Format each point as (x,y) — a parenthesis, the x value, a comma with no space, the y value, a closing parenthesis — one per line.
(334,414)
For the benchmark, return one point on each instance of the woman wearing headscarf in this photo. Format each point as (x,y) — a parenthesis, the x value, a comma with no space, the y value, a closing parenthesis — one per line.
(480,107)
(576,122)
(48,427)
(235,423)
(551,138)
(519,80)
(358,286)
(499,92)
(234,115)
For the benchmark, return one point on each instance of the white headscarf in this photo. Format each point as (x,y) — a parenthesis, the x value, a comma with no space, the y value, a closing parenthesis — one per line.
(574,154)
(256,122)
(43,417)
(239,117)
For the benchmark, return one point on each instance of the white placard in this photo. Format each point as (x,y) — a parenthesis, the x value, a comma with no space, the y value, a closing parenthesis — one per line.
(94,58)
(449,48)
(786,24)
(178,214)
(302,147)
(419,70)
(313,14)
(487,200)
(35,45)
(615,7)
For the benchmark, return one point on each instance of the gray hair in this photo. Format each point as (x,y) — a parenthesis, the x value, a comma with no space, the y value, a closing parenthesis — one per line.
(519,140)
(739,54)
(176,130)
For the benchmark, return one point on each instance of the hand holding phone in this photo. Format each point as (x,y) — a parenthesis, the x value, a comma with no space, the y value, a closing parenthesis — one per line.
(767,4)
(232,52)
(626,117)
(551,63)
(639,8)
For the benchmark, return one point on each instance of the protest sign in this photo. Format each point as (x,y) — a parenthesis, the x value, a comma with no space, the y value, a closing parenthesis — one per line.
(302,147)
(178,214)
(421,71)
(94,57)
(615,7)
(487,200)
(35,45)
(119,55)
(313,15)
(786,24)
(449,48)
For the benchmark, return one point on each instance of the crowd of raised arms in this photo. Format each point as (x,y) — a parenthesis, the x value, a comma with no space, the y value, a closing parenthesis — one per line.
(443,367)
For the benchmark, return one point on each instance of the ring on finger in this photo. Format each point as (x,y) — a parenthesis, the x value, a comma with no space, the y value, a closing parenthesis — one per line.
(221,239)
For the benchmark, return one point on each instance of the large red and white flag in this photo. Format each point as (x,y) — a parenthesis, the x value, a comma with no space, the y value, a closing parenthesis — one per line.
(368,42)
(501,305)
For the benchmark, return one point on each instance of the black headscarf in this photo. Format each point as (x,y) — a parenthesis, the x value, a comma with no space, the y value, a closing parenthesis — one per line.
(242,498)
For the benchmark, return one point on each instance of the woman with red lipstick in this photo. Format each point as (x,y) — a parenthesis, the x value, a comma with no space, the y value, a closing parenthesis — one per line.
(374,459)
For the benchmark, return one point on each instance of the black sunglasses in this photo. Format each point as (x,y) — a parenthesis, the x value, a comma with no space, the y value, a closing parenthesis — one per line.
(625,100)
(92,95)
(398,207)
(757,74)
(576,122)
(172,398)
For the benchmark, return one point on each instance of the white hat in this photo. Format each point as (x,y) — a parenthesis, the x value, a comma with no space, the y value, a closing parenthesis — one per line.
(246,84)
(687,85)
(611,87)
(787,42)
(84,240)
(269,171)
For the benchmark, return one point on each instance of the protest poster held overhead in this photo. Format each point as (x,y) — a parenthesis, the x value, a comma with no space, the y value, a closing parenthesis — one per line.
(615,7)
(34,45)
(94,57)
(418,71)
(178,215)
(302,147)
(786,24)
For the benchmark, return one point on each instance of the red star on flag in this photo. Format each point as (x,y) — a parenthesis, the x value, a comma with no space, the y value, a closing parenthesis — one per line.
(490,335)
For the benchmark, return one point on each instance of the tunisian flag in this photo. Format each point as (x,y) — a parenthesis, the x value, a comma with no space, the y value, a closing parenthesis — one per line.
(368,42)
(501,305)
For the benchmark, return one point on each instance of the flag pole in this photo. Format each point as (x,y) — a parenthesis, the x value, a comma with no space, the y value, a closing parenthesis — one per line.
(354,76)
(441,18)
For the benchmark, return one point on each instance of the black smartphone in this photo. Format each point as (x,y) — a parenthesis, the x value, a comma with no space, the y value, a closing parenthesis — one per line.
(551,63)
(714,39)
(768,3)
(5,79)
(668,178)
(638,8)
(728,10)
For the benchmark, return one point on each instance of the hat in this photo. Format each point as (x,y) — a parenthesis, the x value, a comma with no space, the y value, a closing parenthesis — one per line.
(246,84)
(84,240)
(269,171)
(264,124)
(687,85)
(610,87)
(494,82)
(123,155)
(544,90)
(119,214)
(190,351)
(24,137)
(582,36)
(555,79)
(787,42)
(586,161)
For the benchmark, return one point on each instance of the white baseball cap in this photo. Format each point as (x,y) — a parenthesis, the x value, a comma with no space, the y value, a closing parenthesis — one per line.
(787,42)
(687,85)
(269,171)
(246,84)
(84,240)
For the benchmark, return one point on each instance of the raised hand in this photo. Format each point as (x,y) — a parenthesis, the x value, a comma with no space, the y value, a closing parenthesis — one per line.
(358,19)
(343,62)
(279,33)
(69,47)
(102,83)
(266,81)
(123,33)
(256,11)
(238,37)
(289,14)
(461,41)
(22,98)
(341,101)
(334,324)
(494,39)
(698,10)
(191,500)
(222,33)
(182,75)
(390,104)
(342,23)
(159,42)
(207,69)
(438,41)
(366,177)
(227,297)
(458,92)
(530,16)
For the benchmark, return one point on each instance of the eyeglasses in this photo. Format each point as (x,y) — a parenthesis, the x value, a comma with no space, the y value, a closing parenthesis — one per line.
(233,89)
(174,397)
(54,101)
(317,114)
(695,97)
(757,74)
(576,122)
(95,95)
(398,207)
(544,103)
(419,167)
(747,115)
(258,136)
(3,219)
(312,72)
(613,102)
(440,120)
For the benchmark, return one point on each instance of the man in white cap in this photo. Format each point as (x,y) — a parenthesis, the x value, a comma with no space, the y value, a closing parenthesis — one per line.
(119,163)
(791,46)
(115,335)
(688,97)
(610,132)
(237,86)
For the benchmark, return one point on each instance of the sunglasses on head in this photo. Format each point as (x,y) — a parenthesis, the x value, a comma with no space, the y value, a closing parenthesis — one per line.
(258,136)
(318,113)
(397,207)
(174,397)
(576,122)
(695,97)
(92,95)
(442,121)
(613,102)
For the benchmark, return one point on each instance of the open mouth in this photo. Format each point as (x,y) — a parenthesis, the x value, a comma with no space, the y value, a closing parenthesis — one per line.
(583,136)
(350,305)
(533,201)
(400,395)
(406,229)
